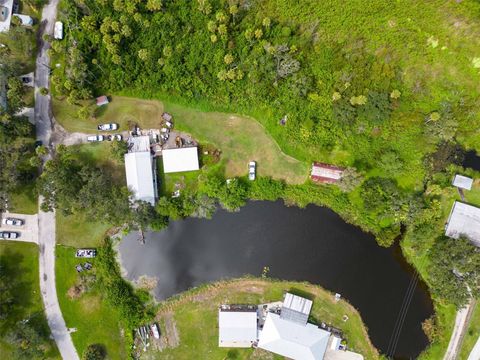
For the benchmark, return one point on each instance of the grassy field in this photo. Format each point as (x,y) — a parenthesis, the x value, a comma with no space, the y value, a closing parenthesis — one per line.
(200,307)
(95,320)
(78,231)
(24,200)
(473,332)
(20,260)
(240,139)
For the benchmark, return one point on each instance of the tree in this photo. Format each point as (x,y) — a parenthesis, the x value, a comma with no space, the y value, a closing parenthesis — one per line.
(44,91)
(154,5)
(455,270)
(143,54)
(350,179)
(94,352)
(7,301)
(27,341)
(118,149)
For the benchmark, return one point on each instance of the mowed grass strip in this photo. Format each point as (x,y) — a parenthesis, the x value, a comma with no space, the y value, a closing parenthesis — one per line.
(241,139)
(19,262)
(195,314)
(95,320)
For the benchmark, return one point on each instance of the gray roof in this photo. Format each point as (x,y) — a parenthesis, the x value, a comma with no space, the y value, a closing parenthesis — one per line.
(296,308)
(138,143)
(237,328)
(463,182)
(464,220)
(139,171)
(178,160)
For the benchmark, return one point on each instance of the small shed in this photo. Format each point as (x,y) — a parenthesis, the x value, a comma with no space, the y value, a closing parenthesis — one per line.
(237,326)
(58,31)
(179,160)
(102,100)
(296,308)
(326,173)
(462,182)
(464,220)
(25,19)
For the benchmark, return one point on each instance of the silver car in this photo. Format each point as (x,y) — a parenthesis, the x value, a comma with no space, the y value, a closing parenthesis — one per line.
(7,235)
(12,222)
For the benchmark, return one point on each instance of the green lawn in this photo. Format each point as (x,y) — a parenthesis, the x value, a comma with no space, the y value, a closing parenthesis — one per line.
(95,320)
(78,231)
(24,200)
(200,307)
(20,263)
(472,334)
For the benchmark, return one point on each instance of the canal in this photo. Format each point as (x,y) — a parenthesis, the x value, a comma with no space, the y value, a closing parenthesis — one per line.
(312,244)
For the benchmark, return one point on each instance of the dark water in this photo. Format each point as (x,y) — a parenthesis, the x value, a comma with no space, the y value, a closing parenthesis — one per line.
(471,160)
(312,244)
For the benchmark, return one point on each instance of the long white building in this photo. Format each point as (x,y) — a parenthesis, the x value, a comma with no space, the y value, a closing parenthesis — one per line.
(140,169)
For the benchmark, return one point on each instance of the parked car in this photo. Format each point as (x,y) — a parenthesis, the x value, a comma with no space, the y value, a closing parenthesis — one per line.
(94,138)
(7,235)
(252,168)
(107,127)
(12,222)
(117,137)
(86,253)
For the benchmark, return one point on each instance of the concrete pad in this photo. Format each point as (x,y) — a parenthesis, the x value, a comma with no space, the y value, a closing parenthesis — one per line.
(28,231)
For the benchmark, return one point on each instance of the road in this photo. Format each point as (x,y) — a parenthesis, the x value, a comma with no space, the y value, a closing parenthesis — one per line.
(44,124)
(461,323)
(475,353)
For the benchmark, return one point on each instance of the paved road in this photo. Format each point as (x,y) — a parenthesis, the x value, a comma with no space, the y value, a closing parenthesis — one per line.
(475,353)
(44,123)
(28,231)
(461,324)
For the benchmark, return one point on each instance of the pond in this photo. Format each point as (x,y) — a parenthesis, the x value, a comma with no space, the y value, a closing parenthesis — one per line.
(312,244)
(471,160)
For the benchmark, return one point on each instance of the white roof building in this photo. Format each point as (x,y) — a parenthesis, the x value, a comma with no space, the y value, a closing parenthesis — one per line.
(237,327)
(6,8)
(296,308)
(141,170)
(463,182)
(293,340)
(25,19)
(58,30)
(464,220)
(178,160)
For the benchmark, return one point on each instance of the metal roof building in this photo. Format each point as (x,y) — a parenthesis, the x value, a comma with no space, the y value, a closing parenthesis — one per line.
(179,160)
(464,220)
(237,326)
(326,173)
(140,170)
(296,308)
(293,340)
(6,8)
(462,182)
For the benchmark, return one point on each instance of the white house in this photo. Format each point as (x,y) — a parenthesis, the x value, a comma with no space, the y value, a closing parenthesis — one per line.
(237,326)
(25,19)
(179,160)
(292,339)
(464,220)
(140,169)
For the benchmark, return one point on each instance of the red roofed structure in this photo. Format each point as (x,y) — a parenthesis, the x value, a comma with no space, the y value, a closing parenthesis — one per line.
(325,173)
(102,100)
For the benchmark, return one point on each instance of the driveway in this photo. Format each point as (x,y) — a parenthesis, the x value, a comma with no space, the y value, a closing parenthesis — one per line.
(28,231)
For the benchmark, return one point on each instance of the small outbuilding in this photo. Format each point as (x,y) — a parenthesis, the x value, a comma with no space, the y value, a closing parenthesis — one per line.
(58,31)
(102,100)
(296,308)
(167,117)
(180,160)
(326,173)
(464,220)
(237,326)
(25,19)
(462,182)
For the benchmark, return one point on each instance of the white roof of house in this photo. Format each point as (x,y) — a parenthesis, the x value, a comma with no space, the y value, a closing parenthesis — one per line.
(178,160)
(237,328)
(463,182)
(464,220)
(5,25)
(296,308)
(25,19)
(138,168)
(293,340)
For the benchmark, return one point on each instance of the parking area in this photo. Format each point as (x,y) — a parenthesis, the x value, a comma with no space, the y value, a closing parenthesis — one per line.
(28,231)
